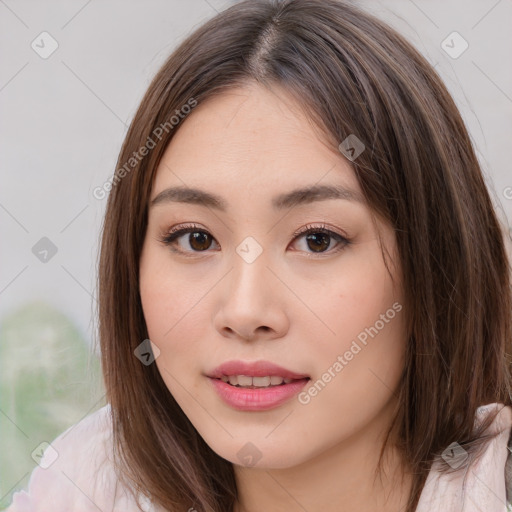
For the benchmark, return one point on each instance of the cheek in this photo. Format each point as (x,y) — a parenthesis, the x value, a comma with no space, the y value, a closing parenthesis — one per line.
(169,303)
(173,325)
(364,313)
(357,371)
(356,298)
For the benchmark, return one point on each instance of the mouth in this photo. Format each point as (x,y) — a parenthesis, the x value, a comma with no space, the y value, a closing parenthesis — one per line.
(254,373)
(256,386)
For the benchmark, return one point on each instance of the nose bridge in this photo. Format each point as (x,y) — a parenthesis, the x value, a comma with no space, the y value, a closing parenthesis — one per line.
(250,263)
(248,306)
(251,296)
(250,250)
(248,303)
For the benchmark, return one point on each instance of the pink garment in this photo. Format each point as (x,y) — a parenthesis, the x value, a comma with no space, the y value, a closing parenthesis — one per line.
(82,478)
(485,487)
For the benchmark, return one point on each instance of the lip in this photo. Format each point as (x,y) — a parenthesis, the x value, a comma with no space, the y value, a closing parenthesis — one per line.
(254,369)
(256,399)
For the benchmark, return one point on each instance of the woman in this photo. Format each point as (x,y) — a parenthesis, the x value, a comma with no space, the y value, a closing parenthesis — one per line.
(299,224)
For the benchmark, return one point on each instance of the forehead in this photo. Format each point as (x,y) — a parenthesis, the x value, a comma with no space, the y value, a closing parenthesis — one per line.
(254,138)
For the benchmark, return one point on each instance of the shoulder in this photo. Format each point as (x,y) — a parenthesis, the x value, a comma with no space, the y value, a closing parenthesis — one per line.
(76,472)
(483,483)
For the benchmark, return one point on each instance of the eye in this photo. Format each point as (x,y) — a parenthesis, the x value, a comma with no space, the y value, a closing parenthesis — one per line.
(317,238)
(199,239)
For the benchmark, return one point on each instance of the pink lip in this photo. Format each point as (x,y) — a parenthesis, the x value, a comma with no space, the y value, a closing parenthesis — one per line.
(254,369)
(253,399)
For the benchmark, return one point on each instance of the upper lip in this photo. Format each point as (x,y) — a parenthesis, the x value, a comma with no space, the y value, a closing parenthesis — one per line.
(254,369)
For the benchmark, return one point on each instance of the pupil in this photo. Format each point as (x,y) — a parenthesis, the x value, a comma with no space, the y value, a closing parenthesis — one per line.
(199,238)
(319,239)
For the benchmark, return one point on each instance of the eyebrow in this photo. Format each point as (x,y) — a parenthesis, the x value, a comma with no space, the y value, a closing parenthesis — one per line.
(296,197)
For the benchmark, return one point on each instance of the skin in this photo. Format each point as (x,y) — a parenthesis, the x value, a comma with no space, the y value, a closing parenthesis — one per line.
(293,306)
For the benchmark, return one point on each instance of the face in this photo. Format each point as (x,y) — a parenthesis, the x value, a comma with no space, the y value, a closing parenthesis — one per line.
(261,276)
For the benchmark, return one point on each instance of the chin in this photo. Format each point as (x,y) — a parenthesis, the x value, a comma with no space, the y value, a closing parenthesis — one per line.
(250,452)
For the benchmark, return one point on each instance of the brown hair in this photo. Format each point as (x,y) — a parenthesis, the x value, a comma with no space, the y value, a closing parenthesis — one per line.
(352,74)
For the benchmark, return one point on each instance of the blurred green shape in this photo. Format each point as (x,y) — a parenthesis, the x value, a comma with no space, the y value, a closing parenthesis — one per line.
(49,379)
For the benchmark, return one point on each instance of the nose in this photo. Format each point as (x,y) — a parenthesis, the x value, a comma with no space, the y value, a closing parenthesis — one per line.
(251,303)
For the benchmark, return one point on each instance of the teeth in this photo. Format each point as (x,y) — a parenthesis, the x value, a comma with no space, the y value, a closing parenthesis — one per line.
(243,380)
(259,382)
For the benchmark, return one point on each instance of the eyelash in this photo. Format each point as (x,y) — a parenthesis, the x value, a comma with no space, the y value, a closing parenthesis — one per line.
(172,235)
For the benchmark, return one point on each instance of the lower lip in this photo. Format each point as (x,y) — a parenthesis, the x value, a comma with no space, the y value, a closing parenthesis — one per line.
(254,399)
